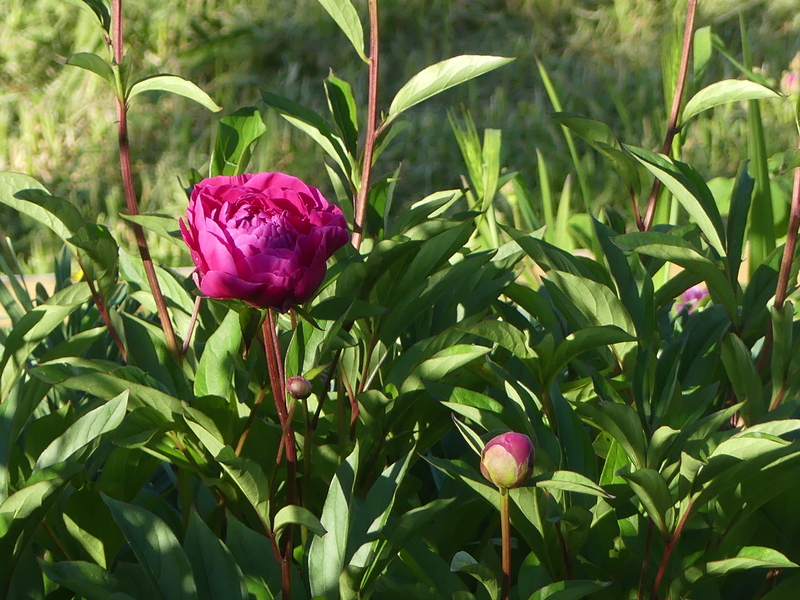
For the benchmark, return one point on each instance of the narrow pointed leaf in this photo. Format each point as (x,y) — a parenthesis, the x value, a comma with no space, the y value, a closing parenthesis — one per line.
(441,76)
(175,85)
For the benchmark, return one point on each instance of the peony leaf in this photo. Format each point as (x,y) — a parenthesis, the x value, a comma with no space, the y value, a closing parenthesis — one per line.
(85,430)
(346,17)
(237,136)
(725,92)
(95,64)
(176,85)
(156,548)
(442,76)
(29,197)
(216,573)
(292,513)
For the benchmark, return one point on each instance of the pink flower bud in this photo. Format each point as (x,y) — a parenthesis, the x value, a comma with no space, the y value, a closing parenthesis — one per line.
(790,83)
(299,387)
(507,460)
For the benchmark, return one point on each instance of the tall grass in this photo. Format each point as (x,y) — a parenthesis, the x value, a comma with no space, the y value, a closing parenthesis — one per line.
(56,122)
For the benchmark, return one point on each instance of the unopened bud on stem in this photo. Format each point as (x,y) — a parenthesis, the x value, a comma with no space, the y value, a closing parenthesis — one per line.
(298,387)
(507,460)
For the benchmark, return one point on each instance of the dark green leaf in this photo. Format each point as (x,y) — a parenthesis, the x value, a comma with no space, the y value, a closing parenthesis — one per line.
(216,573)
(85,430)
(156,548)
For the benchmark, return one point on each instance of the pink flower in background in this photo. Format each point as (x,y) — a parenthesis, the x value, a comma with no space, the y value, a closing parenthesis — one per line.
(507,460)
(691,297)
(790,83)
(262,238)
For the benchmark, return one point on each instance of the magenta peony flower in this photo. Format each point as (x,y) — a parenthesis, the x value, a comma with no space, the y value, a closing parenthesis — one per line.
(507,460)
(262,238)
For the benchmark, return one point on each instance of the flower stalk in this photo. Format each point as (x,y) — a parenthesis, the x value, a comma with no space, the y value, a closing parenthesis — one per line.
(130,192)
(505,534)
(677,99)
(372,116)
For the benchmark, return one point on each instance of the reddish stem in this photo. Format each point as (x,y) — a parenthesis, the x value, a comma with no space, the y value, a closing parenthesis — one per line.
(372,117)
(662,568)
(505,535)
(130,192)
(672,128)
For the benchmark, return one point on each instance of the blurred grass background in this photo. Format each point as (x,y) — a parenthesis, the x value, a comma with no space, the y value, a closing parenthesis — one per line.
(57,122)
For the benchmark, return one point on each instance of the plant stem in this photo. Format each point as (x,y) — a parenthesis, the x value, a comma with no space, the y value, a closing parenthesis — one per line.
(372,116)
(647,543)
(103,309)
(668,551)
(130,192)
(278,384)
(672,127)
(251,417)
(505,534)
(192,323)
(791,243)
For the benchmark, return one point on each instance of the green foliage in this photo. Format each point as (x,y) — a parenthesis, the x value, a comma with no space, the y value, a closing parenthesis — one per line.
(666,447)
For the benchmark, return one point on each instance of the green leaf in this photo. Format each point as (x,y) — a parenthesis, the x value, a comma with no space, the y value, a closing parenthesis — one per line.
(442,76)
(504,335)
(346,17)
(97,9)
(725,92)
(254,555)
(85,430)
(250,479)
(291,513)
(176,85)
(164,226)
(674,249)
(370,521)
(568,590)
(156,548)
(95,64)
(698,202)
(588,338)
(343,108)
(237,135)
(216,573)
(98,256)
(442,363)
(86,579)
(311,123)
(326,555)
(216,368)
(464,563)
(750,557)
(569,481)
(652,491)
(622,423)
(737,220)
(29,197)
(589,129)
(744,377)
(34,328)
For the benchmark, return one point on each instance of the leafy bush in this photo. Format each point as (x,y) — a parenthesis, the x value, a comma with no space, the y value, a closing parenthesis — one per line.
(151,447)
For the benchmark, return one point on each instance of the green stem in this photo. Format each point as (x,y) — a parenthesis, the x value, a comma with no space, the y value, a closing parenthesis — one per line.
(372,117)
(505,533)
(672,127)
